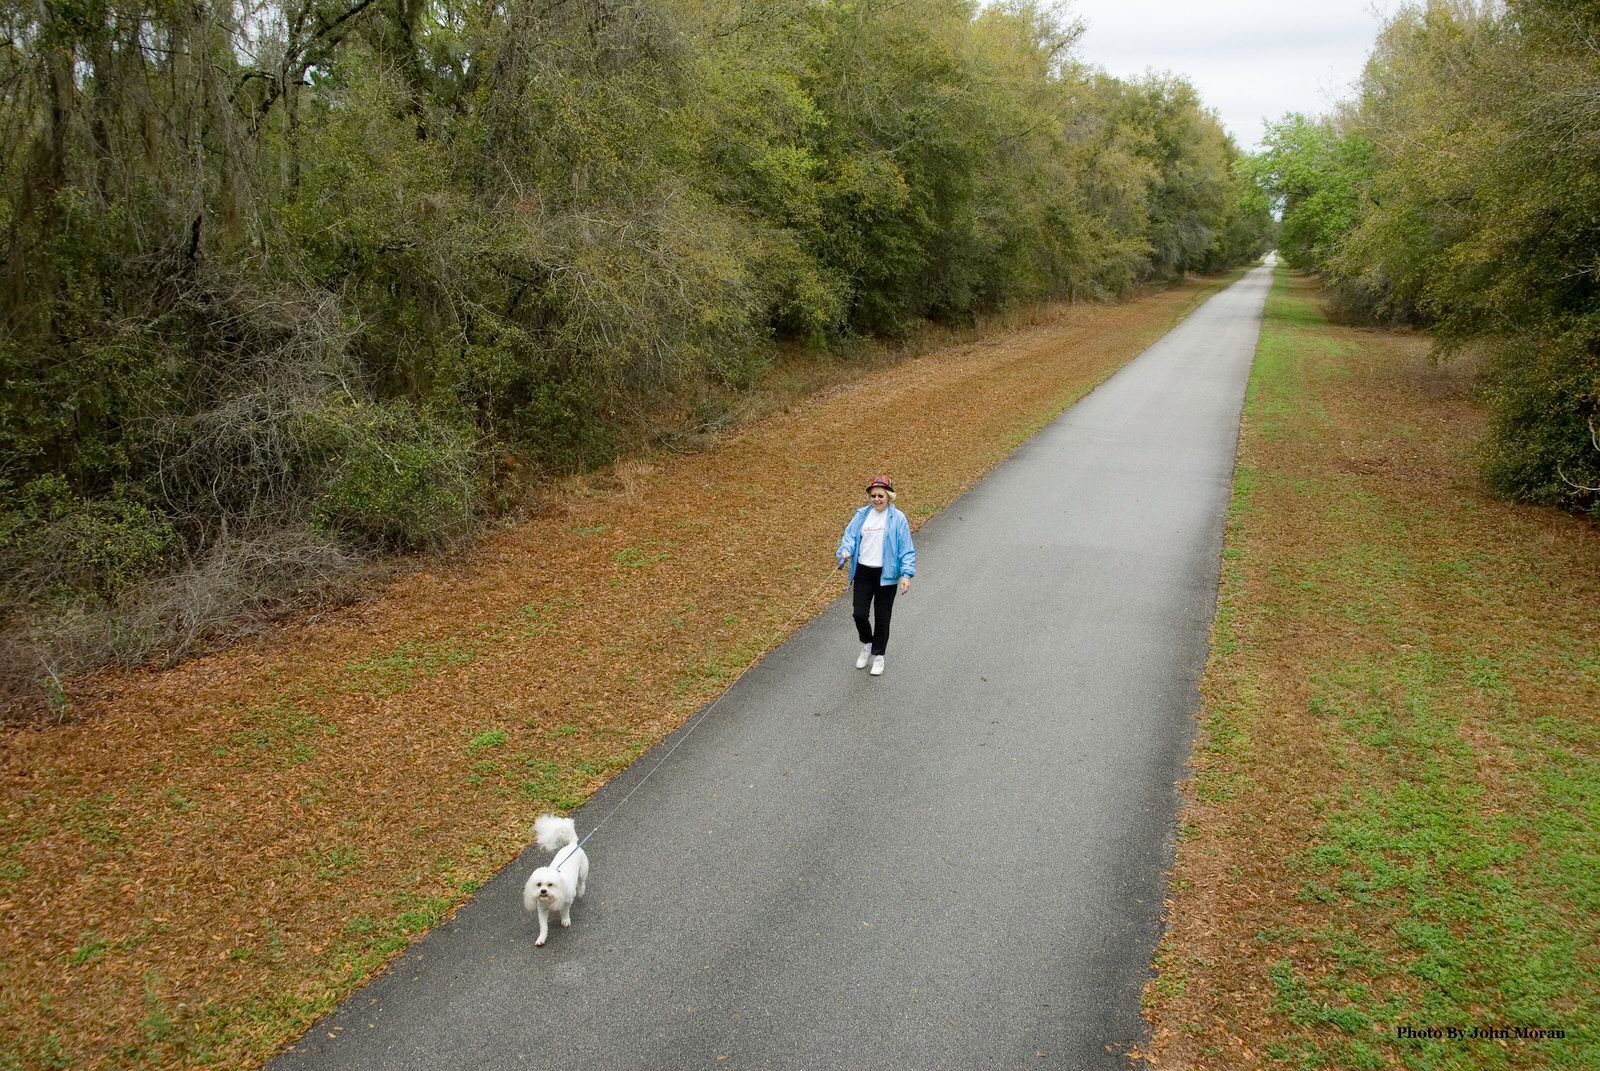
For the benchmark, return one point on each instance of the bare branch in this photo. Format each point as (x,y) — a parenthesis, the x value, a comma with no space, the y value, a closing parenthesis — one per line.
(301,55)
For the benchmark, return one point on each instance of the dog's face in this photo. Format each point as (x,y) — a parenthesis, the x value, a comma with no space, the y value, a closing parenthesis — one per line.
(550,887)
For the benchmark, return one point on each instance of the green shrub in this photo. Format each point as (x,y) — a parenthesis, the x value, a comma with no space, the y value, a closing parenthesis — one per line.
(1541,446)
(561,425)
(55,543)
(392,475)
(527,403)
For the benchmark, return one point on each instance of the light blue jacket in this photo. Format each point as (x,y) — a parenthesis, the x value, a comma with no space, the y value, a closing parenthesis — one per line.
(899,556)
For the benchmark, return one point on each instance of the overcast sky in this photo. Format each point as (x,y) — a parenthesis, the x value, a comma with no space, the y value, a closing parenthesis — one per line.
(1250,59)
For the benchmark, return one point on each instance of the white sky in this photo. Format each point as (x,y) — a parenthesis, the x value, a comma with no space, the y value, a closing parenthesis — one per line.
(1250,60)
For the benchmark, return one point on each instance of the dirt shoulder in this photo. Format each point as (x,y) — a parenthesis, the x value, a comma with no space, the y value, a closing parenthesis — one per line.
(216,854)
(1391,832)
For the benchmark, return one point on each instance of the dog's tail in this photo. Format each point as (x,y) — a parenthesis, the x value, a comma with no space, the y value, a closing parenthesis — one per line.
(552,832)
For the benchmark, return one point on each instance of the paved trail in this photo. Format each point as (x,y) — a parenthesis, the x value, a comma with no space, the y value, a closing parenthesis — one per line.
(956,865)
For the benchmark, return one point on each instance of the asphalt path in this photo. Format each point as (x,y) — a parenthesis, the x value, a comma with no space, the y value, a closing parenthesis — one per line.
(959,864)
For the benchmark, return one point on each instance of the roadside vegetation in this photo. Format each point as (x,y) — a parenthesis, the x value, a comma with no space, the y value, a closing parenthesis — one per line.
(1390,838)
(294,284)
(1458,191)
(211,856)
(1394,818)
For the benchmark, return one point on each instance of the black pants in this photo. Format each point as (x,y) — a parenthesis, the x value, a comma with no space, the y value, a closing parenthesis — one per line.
(881,598)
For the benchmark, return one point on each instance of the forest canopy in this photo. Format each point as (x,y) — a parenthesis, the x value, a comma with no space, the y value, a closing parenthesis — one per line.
(291,284)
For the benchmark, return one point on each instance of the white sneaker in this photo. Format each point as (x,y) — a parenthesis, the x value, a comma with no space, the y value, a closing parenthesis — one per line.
(866,656)
(877,666)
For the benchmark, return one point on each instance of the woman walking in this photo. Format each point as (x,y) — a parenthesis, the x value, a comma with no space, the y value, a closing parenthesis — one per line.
(877,549)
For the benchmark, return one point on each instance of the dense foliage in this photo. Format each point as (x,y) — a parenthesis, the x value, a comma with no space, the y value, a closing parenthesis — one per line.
(291,281)
(1461,190)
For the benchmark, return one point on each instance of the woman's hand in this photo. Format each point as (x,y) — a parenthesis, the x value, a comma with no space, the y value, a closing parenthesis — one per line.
(905,584)
(844,562)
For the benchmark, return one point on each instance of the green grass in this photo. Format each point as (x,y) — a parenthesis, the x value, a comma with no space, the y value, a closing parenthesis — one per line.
(365,945)
(334,860)
(90,948)
(395,672)
(285,731)
(545,783)
(648,556)
(92,818)
(1489,903)
(539,620)
(1457,860)
(486,741)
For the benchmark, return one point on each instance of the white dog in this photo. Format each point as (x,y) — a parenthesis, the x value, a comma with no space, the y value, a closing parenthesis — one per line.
(554,887)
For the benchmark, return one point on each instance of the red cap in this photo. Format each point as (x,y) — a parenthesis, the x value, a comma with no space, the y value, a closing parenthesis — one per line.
(881,481)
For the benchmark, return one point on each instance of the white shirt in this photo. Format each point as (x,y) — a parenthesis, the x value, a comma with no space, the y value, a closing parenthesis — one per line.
(872,537)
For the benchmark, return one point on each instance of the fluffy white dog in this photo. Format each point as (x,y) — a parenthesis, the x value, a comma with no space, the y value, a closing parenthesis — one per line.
(554,887)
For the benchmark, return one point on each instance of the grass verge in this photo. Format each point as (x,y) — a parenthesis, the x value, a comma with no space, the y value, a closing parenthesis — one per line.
(213,856)
(1390,842)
